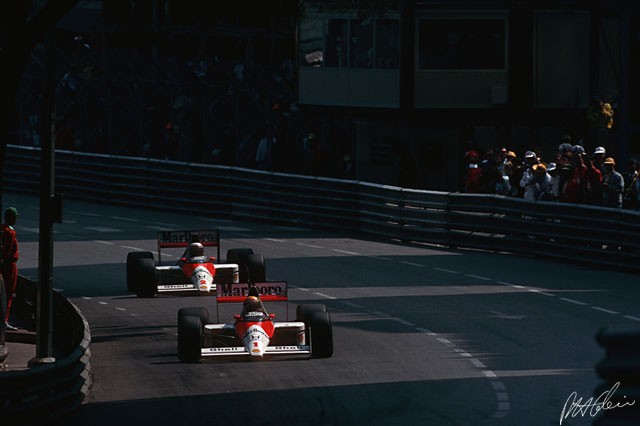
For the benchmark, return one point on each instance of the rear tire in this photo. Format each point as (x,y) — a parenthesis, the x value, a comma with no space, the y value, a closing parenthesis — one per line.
(202,313)
(131,259)
(189,338)
(239,256)
(256,269)
(144,276)
(321,334)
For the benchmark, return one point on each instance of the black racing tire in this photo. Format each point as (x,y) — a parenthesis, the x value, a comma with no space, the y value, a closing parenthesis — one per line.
(321,334)
(256,268)
(239,256)
(189,338)
(202,313)
(303,312)
(144,275)
(131,259)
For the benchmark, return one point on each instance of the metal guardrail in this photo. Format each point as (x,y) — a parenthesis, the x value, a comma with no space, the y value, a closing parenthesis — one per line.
(43,394)
(597,235)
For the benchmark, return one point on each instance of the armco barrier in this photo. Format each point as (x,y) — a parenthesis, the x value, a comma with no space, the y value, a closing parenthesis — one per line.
(42,395)
(602,236)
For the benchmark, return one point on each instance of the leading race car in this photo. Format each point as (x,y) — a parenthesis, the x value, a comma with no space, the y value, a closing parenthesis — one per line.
(193,273)
(254,334)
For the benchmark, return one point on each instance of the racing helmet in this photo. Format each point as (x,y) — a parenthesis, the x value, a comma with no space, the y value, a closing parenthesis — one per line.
(196,249)
(251,303)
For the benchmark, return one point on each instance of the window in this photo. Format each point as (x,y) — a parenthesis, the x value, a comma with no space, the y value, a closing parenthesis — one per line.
(465,44)
(387,43)
(345,42)
(336,48)
(311,42)
(361,43)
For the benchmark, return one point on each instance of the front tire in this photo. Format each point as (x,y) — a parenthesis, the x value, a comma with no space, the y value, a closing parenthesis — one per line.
(202,313)
(189,338)
(321,335)
(257,271)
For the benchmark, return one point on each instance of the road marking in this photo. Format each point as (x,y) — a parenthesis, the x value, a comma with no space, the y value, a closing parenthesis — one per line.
(346,252)
(233,229)
(401,321)
(477,363)
(102,229)
(502,396)
(489,374)
(504,406)
(413,264)
(103,303)
(462,352)
(166,225)
(575,302)
(597,308)
(427,332)
(104,242)
(157,228)
(541,292)
(300,288)
(380,258)
(478,277)
(86,298)
(382,314)
(498,386)
(59,290)
(128,219)
(84,214)
(308,245)
(631,317)
(121,309)
(133,248)
(446,270)
(275,240)
(326,296)
(445,341)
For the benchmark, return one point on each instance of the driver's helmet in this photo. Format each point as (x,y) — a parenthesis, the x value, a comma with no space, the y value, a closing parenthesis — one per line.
(196,249)
(251,303)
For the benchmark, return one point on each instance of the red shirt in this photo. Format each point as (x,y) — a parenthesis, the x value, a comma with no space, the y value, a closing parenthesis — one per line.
(9,243)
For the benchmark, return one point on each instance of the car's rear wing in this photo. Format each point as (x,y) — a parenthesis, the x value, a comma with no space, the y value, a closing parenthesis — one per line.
(178,239)
(274,291)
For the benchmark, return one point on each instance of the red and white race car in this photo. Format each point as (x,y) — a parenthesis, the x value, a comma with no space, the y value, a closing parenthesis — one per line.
(254,334)
(193,272)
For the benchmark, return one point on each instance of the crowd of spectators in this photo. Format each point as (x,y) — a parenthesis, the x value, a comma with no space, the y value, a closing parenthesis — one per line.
(572,175)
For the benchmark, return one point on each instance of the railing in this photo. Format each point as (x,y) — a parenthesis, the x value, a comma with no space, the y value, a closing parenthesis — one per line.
(43,394)
(597,235)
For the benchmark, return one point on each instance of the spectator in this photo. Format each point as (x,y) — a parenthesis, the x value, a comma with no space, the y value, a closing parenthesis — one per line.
(266,151)
(600,119)
(473,175)
(613,185)
(632,186)
(576,188)
(530,159)
(598,158)
(538,186)
(555,180)
(593,178)
(10,256)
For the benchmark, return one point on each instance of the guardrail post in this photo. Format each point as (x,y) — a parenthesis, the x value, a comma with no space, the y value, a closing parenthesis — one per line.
(620,393)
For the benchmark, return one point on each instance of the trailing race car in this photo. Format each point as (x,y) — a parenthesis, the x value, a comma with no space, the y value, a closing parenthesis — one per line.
(254,334)
(193,272)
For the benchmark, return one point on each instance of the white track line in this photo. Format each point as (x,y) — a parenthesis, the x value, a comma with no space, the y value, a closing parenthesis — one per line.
(309,245)
(598,308)
(446,270)
(575,302)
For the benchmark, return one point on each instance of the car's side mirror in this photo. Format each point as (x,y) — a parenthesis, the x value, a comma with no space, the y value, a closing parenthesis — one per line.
(236,316)
(272,316)
(184,259)
(212,258)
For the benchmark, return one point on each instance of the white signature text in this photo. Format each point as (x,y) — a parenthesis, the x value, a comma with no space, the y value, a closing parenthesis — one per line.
(574,407)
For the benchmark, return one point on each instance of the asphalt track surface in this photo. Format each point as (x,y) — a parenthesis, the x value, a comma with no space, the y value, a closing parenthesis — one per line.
(423,335)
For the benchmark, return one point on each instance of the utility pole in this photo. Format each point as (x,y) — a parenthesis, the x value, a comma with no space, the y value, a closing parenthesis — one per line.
(50,212)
